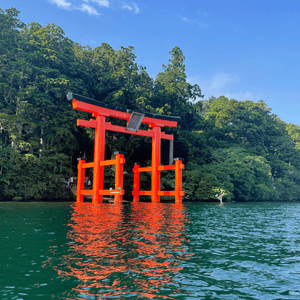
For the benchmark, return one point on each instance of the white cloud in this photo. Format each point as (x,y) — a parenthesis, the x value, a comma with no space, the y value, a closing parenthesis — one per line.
(222,84)
(187,20)
(104,3)
(61,3)
(132,7)
(89,9)
(220,81)
(85,5)
(203,13)
(201,24)
(68,5)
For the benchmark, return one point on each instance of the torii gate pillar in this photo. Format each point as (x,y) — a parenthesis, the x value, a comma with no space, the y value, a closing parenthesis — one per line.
(99,154)
(156,157)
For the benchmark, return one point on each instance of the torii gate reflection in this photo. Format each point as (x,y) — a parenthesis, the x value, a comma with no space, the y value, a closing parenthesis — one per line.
(138,251)
(156,122)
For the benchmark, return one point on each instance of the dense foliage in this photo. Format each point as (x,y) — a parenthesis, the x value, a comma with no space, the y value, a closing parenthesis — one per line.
(238,148)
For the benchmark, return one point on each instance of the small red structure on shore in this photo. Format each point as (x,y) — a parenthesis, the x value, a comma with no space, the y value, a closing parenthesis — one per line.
(100,111)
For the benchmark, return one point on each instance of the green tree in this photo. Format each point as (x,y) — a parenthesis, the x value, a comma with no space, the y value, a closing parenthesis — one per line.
(250,175)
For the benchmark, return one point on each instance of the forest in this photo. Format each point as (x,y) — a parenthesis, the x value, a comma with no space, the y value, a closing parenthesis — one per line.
(238,147)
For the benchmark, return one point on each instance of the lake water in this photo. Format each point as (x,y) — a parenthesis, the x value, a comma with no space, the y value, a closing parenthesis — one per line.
(149,251)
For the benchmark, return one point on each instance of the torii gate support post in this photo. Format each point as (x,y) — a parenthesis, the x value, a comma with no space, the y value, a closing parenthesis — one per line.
(178,180)
(80,180)
(178,193)
(119,178)
(118,192)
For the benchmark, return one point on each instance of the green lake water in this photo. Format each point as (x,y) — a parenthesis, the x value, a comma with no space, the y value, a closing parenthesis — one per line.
(149,251)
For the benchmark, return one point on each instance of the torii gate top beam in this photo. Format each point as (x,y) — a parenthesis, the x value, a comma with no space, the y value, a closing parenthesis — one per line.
(108,110)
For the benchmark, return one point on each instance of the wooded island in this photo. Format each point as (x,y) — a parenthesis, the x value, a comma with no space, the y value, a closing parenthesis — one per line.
(239,148)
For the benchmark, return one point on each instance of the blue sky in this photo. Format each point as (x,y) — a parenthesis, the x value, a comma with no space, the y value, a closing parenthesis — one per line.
(246,50)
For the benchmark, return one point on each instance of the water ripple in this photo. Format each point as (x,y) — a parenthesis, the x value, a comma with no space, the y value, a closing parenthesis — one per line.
(150,251)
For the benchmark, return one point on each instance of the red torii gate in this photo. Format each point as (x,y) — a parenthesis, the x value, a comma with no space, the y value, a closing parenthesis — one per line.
(156,122)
